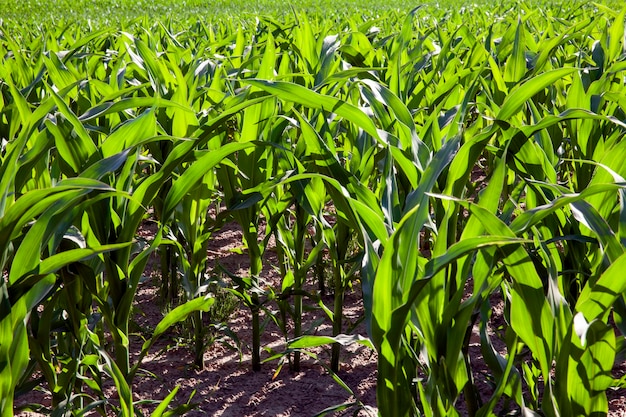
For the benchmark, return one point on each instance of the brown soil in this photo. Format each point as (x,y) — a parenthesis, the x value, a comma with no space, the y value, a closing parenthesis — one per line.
(227,386)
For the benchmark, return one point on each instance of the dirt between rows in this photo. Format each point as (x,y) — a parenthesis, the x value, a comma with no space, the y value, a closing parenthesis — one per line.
(227,386)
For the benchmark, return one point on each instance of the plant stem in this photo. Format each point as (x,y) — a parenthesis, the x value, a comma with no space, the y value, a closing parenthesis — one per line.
(319,264)
(199,340)
(341,248)
(299,273)
(337,316)
(256,334)
(254,252)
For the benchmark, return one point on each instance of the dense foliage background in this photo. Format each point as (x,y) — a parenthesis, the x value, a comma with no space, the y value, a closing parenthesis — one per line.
(445,158)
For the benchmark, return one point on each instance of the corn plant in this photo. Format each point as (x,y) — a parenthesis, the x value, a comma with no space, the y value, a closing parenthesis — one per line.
(320,132)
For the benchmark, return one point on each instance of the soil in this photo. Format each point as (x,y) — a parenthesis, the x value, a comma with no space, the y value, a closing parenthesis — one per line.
(227,386)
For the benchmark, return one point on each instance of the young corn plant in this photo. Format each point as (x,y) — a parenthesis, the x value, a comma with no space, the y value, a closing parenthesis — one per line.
(390,125)
(31,280)
(250,169)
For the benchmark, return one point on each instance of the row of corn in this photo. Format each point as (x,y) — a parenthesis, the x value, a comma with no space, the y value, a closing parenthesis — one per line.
(442,160)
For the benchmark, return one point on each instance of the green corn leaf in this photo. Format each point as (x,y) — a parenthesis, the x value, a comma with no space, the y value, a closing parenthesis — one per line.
(524,92)
(298,94)
(177,315)
(123,389)
(26,257)
(162,407)
(597,298)
(304,342)
(129,134)
(587,215)
(81,147)
(196,172)
(515,67)
(531,317)
(113,107)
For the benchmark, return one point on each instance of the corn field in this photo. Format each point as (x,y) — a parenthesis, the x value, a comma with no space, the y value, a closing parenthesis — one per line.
(442,159)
